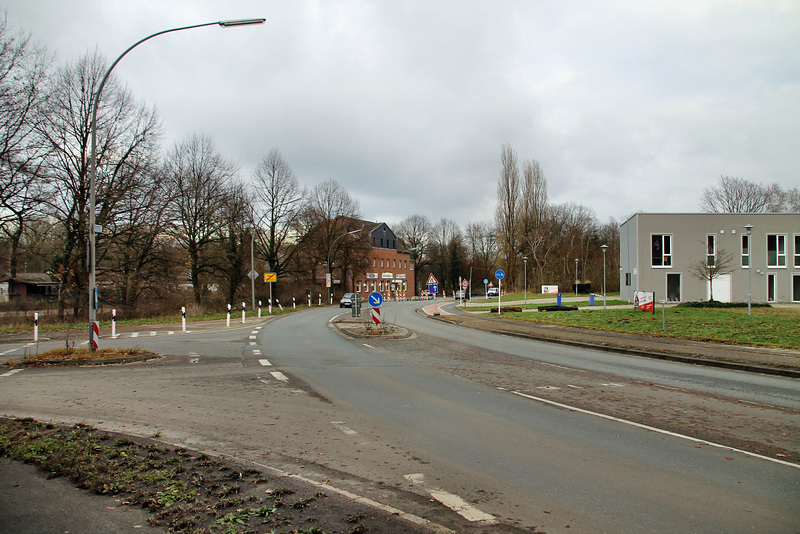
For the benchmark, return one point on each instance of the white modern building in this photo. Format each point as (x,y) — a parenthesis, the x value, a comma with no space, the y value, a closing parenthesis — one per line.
(658,249)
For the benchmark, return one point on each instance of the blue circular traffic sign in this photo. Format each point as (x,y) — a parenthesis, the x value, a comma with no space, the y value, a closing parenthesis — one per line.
(500,274)
(375,299)
(485,280)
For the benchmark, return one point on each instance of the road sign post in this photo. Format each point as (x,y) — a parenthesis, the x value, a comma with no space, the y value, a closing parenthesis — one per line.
(499,274)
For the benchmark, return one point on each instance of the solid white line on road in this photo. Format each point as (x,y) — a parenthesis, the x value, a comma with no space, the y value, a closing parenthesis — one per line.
(11,372)
(135,334)
(454,502)
(562,367)
(345,429)
(613,385)
(265,363)
(547,387)
(279,376)
(574,387)
(370,346)
(654,429)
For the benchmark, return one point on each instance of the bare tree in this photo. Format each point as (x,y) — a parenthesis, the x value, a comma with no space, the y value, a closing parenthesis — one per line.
(711,270)
(735,195)
(328,212)
(127,135)
(483,247)
(447,253)
(234,239)
(24,68)
(534,215)
(279,205)
(508,212)
(199,177)
(414,234)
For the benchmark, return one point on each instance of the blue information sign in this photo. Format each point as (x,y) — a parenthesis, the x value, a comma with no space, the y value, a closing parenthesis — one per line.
(500,274)
(433,288)
(375,299)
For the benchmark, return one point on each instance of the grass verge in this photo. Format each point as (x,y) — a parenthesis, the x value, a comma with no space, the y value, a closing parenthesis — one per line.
(184,491)
(77,356)
(766,327)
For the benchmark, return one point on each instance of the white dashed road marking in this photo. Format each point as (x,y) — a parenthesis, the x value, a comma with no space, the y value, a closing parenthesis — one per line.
(256,352)
(279,376)
(135,334)
(345,429)
(11,372)
(265,363)
(454,502)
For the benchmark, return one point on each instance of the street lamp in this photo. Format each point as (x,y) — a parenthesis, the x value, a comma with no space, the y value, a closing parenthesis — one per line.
(749,229)
(604,247)
(576,277)
(525,269)
(328,280)
(94,331)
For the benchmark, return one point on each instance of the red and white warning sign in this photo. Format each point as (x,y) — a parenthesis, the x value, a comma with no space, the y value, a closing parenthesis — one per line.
(376,315)
(464,284)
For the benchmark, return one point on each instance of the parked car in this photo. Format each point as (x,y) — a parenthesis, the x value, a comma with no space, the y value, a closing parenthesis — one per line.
(347,301)
(493,292)
(460,295)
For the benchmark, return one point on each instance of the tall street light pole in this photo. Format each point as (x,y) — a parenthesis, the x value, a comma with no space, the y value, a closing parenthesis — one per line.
(576,277)
(525,269)
(604,247)
(94,331)
(749,229)
(328,279)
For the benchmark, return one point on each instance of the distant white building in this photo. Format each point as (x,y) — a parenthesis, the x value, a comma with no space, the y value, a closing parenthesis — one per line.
(657,249)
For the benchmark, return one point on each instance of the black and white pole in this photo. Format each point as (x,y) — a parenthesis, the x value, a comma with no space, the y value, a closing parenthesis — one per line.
(113,324)
(270,306)
(36,327)
(294,303)
(229,315)
(259,309)
(279,304)
(319,300)
(183,318)
(244,307)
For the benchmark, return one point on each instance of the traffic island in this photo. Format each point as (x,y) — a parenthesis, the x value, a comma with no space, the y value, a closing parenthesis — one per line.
(507,309)
(360,329)
(83,357)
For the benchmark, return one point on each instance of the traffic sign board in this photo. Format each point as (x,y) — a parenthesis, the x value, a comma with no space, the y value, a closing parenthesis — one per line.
(432,280)
(375,299)
(464,284)
(433,288)
(270,277)
(500,274)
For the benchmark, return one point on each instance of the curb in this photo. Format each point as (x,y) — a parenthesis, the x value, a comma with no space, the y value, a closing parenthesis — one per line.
(750,368)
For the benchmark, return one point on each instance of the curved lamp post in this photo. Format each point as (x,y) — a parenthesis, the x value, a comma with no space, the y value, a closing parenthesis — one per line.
(93,327)
(329,278)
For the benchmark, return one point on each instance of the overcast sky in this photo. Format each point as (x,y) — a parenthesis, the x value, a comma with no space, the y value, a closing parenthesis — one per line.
(627,105)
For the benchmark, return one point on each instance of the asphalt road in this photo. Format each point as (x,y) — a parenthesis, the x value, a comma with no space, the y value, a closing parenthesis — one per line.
(460,417)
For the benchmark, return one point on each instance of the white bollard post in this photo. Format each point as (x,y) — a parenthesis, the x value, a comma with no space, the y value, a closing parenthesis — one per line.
(113,324)
(279,304)
(294,304)
(259,309)
(319,299)
(229,315)
(183,318)
(36,327)
(244,307)
(270,306)
(309,301)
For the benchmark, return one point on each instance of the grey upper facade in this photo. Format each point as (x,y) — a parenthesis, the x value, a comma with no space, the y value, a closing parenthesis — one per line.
(657,251)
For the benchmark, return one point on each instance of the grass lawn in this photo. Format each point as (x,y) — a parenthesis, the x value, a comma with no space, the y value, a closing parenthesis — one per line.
(767,327)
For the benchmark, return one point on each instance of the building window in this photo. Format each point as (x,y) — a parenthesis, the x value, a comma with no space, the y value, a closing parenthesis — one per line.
(661,250)
(745,250)
(381,262)
(381,284)
(394,264)
(374,262)
(711,250)
(776,250)
(627,279)
(797,250)
(358,286)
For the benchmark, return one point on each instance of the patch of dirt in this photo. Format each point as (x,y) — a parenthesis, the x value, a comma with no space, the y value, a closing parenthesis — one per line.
(82,357)
(185,491)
